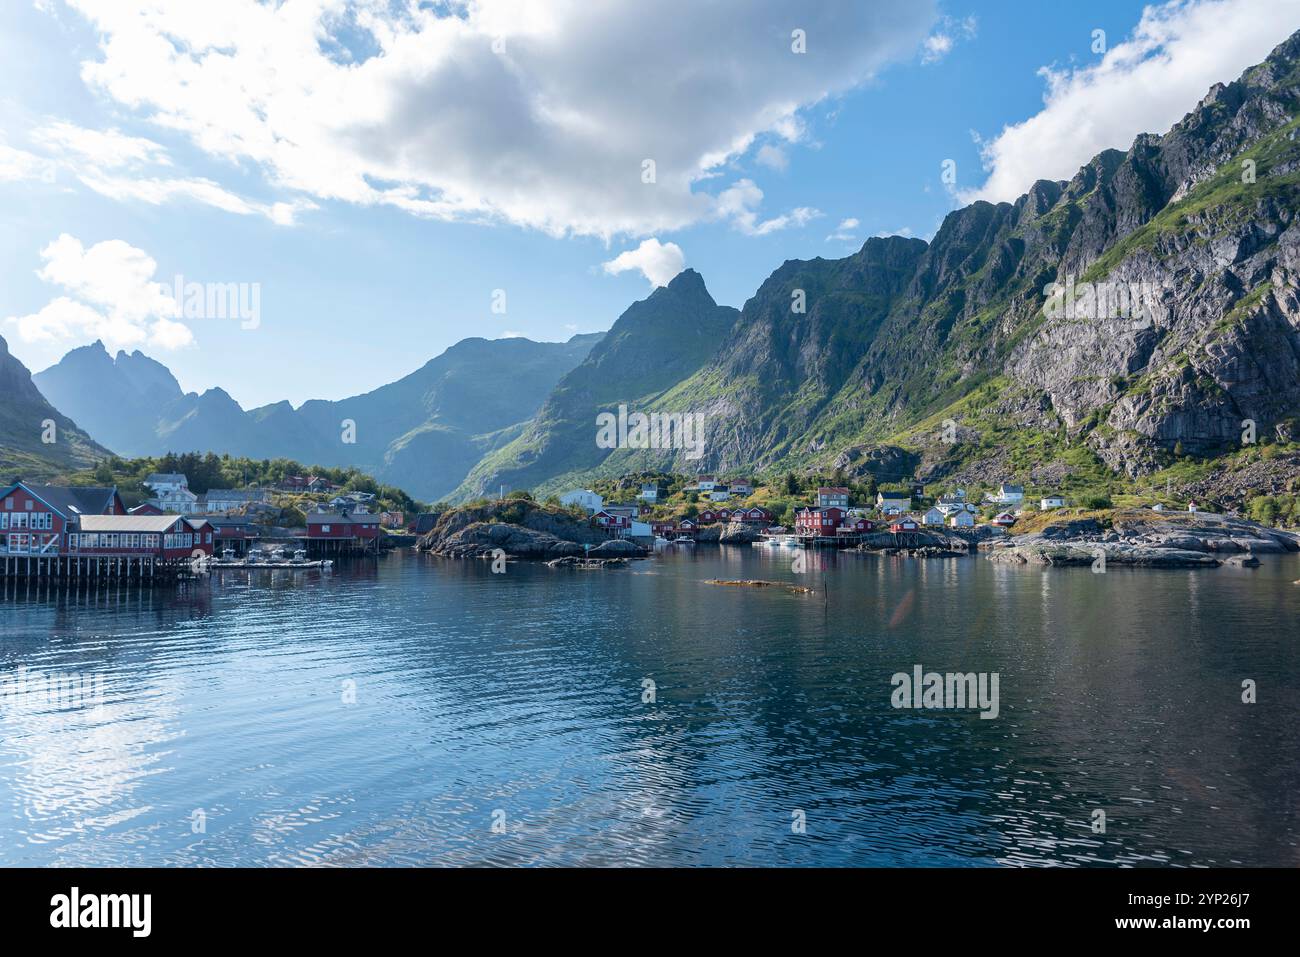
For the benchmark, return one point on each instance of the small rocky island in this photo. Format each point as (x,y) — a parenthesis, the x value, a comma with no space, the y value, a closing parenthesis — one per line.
(524,529)
(1141,537)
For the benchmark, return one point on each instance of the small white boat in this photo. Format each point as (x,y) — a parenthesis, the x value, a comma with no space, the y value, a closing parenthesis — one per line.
(683,541)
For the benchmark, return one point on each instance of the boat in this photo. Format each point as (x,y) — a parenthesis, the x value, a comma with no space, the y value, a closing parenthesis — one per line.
(661,542)
(258,558)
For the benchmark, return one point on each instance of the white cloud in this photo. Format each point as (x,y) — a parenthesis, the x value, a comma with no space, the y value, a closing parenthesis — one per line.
(844,232)
(158,191)
(494,110)
(16,164)
(940,43)
(1145,84)
(124,167)
(110,295)
(658,263)
(739,203)
(773,157)
(107,149)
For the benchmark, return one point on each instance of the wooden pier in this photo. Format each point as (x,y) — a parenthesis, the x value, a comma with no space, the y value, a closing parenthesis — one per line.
(125,567)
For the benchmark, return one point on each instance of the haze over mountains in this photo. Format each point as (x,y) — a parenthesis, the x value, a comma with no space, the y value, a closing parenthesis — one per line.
(422,432)
(908,358)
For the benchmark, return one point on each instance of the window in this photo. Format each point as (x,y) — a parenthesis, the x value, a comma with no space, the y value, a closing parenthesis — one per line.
(30,503)
(9,502)
(4,520)
(19,520)
(324,528)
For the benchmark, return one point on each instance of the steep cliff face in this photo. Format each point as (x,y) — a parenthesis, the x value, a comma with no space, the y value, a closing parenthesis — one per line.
(1179,330)
(1214,244)
(25,420)
(653,346)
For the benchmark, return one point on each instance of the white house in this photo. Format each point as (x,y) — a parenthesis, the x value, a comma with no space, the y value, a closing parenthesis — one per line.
(961,519)
(833,496)
(892,504)
(741,486)
(162,482)
(934,516)
(1051,501)
(584,498)
(719,494)
(1008,494)
(649,493)
(706,483)
(172,492)
(1158,507)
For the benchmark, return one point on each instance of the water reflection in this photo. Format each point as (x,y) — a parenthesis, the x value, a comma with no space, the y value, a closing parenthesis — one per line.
(517,700)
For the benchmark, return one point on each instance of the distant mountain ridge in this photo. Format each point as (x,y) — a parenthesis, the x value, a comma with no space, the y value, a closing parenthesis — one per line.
(422,432)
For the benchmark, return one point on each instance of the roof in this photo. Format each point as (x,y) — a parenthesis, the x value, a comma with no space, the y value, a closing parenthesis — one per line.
(354,518)
(1006,487)
(221,521)
(895,496)
(832,490)
(234,494)
(173,477)
(128,523)
(75,499)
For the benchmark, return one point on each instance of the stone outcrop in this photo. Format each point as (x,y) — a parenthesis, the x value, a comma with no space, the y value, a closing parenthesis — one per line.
(522,529)
(1143,538)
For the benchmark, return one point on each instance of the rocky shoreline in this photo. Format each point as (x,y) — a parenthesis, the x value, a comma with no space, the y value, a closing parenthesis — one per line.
(1142,539)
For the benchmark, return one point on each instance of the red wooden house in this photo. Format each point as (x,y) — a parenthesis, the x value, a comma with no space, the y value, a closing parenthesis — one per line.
(154,536)
(812,520)
(723,514)
(707,517)
(343,531)
(860,525)
(754,515)
(38,519)
(904,524)
(609,522)
(663,528)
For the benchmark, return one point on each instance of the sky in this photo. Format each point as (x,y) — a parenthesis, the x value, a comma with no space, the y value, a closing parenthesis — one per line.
(379,179)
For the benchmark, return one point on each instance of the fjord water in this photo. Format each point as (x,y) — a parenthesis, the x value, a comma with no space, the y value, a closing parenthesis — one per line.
(224,731)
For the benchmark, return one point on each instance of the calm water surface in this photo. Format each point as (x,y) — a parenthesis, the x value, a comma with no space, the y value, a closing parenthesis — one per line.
(217,725)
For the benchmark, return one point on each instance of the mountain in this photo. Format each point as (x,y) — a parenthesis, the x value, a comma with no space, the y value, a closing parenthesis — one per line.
(954,359)
(24,414)
(422,432)
(654,345)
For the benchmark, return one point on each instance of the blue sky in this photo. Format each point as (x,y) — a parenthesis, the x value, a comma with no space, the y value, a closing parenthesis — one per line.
(379,215)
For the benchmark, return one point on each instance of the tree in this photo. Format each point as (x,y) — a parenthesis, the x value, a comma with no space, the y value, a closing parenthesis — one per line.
(791,484)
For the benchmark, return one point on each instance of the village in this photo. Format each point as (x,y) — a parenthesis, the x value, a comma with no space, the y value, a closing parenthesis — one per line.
(74,531)
(836,518)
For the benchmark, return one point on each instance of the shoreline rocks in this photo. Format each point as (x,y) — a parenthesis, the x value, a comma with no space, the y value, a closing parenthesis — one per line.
(1136,539)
